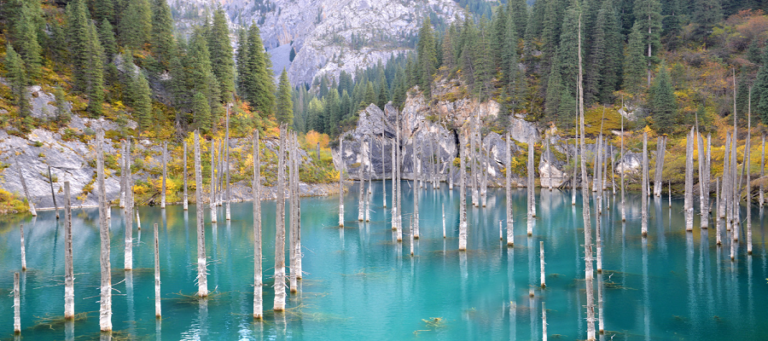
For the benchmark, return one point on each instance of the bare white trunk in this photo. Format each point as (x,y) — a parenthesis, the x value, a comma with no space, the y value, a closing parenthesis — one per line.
(279,304)
(361,172)
(256,188)
(213,181)
(416,191)
(717,217)
(644,196)
(762,173)
(383,171)
(26,190)
(165,174)
(138,220)
(531,194)
(747,163)
(202,272)
(184,172)
(16,305)
(574,185)
(621,159)
(600,317)
(689,182)
(128,261)
(544,321)
(69,272)
(541,258)
(508,188)
(394,186)
(105,302)
(341,181)
(462,195)
(158,296)
(226,170)
(723,206)
(443,220)
(658,182)
(123,177)
(411,236)
(23,249)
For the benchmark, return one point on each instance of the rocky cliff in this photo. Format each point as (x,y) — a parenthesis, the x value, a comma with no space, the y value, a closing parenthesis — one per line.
(433,129)
(328,35)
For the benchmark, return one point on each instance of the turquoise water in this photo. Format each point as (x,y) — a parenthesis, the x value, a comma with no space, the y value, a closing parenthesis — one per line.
(361,284)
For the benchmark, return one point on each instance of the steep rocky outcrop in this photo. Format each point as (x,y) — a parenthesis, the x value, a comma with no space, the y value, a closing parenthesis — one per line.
(438,124)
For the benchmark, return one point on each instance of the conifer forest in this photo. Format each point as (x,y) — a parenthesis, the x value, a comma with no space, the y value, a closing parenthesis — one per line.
(340,169)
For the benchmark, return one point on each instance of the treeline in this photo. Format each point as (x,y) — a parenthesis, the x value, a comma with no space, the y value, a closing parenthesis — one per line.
(125,58)
(526,58)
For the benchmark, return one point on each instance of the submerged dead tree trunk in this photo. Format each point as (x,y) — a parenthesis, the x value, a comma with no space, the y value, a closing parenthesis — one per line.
(416,190)
(644,196)
(53,193)
(530,189)
(689,182)
(23,249)
(462,195)
(621,159)
(747,163)
(184,172)
(510,218)
(128,263)
(16,305)
(213,181)
(383,171)
(361,171)
(704,180)
(26,190)
(574,183)
(256,188)
(279,304)
(723,206)
(541,259)
(585,210)
(158,310)
(202,275)
(165,174)
(341,180)
(105,301)
(226,170)
(69,272)
(661,145)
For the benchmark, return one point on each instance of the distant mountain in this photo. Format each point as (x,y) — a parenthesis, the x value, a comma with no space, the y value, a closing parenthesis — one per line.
(328,35)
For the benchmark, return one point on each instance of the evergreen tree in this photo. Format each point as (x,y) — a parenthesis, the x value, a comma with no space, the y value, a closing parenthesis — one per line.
(648,22)
(634,64)
(332,115)
(26,40)
(753,53)
(553,95)
(742,95)
(201,112)
(103,10)
(706,14)
(447,48)
(399,90)
(346,105)
(142,102)
(383,97)
(603,62)
(550,36)
(107,39)
(284,105)
(427,57)
(201,78)
(315,117)
(77,28)
(370,96)
(95,72)
(221,54)
(518,10)
(760,90)
(498,36)
(17,79)
(241,60)
(163,42)
(663,103)
(567,57)
(483,71)
(259,86)
(136,24)
(62,111)
(671,24)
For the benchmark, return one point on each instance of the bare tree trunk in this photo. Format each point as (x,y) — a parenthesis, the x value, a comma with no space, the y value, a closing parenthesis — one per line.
(383,171)
(16,305)
(689,182)
(541,258)
(644,196)
(658,182)
(585,210)
(53,193)
(410,236)
(703,196)
(596,183)
(612,160)
(762,173)
(105,310)
(530,189)
(718,194)
(443,220)
(256,184)
(296,188)
(184,172)
(361,199)
(213,181)
(723,206)
(294,193)
(416,190)
(605,163)
(462,195)
(369,176)
(26,190)
(165,174)
(279,304)
(549,168)
(747,163)
(123,177)
(158,309)
(574,184)
(69,272)
(226,169)
(473,165)
(450,173)
(484,174)
(394,186)
(397,202)
(601,319)
(510,218)
(735,187)
(202,272)
(621,159)
(341,181)
(23,249)
(128,262)
(544,321)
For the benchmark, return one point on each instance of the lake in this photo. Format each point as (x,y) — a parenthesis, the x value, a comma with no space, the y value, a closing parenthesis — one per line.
(359,283)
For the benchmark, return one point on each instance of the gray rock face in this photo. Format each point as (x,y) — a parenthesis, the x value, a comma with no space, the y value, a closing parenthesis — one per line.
(436,126)
(329,36)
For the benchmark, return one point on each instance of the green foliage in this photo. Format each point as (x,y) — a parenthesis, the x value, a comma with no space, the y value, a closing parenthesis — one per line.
(284,105)
(107,39)
(136,24)
(663,103)
(201,111)
(222,60)
(163,43)
(16,75)
(634,64)
(258,87)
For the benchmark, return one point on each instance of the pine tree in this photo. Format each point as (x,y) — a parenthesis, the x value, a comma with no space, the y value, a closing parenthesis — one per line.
(17,79)
(498,36)
(142,102)
(483,63)
(163,42)
(332,115)
(221,54)
(258,83)
(554,95)
(241,59)
(567,58)
(742,94)
(107,39)
(136,24)
(370,96)
(760,90)
(201,112)
(383,97)
(346,105)
(603,61)
(427,57)
(753,53)
(398,91)
(315,117)
(706,14)
(201,78)
(103,10)
(26,40)
(447,48)
(77,28)
(284,105)
(634,64)
(663,102)
(518,10)
(62,111)
(95,72)
(648,22)
(550,35)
